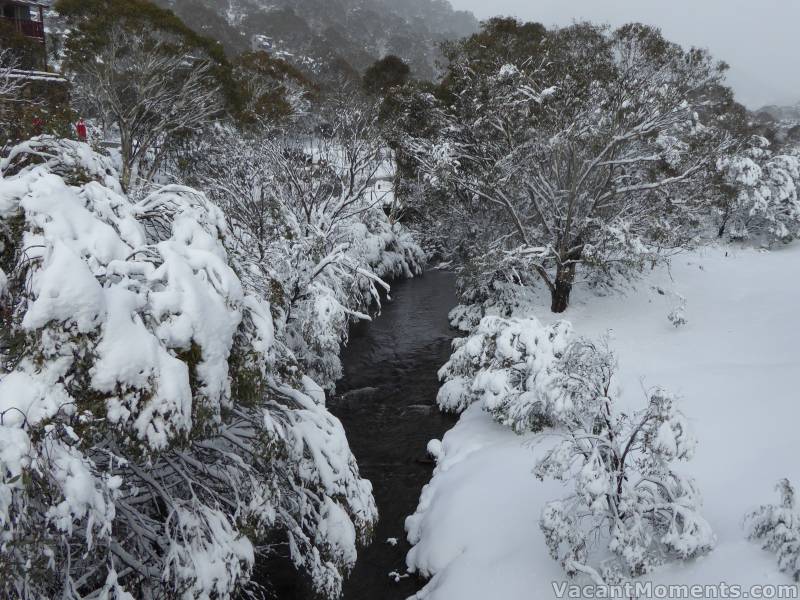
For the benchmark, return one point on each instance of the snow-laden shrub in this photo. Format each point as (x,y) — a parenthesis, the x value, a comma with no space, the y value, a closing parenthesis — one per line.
(302,217)
(760,195)
(156,436)
(332,290)
(387,248)
(777,527)
(630,510)
(493,296)
(506,363)
(677,316)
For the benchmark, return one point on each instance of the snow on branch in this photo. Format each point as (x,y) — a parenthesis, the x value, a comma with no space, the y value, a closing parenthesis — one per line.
(777,527)
(303,217)
(627,496)
(149,445)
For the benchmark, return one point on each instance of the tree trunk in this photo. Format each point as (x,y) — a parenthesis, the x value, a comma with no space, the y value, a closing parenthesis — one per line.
(126,150)
(565,276)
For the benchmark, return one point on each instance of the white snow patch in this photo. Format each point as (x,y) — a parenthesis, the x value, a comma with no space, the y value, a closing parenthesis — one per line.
(476,531)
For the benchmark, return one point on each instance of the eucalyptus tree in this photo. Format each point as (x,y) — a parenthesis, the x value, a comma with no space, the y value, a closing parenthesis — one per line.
(577,149)
(140,70)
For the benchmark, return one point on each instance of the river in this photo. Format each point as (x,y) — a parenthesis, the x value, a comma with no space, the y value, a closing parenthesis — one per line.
(386,401)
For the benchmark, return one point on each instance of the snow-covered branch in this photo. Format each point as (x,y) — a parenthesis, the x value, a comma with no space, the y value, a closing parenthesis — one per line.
(151,443)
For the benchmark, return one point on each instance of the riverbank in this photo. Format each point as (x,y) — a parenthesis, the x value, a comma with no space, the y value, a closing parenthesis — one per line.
(734,363)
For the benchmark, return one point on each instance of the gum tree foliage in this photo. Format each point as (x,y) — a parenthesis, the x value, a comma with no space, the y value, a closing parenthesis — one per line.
(570,150)
(627,495)
(304,206)
(142,72)
(777,527)
(759,197)
(390,71)
(272,90)
(10,86)
(157,437)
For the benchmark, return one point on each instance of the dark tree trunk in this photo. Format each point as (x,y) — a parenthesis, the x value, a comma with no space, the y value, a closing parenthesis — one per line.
(565,276)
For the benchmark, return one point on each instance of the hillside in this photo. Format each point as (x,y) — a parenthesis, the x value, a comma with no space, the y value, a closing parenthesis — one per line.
(329,36)
(781,113)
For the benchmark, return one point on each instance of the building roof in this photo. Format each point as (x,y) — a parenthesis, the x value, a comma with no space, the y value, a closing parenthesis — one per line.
(25,2)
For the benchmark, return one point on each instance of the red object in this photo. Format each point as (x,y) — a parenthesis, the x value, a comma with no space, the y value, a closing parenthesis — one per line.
(80,128)
(38,124)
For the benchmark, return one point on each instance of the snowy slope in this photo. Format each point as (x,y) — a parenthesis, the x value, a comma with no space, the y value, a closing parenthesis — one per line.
(312,33)
(735,364)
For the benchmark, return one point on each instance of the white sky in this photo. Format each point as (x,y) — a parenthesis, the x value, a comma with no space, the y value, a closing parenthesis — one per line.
(760,39)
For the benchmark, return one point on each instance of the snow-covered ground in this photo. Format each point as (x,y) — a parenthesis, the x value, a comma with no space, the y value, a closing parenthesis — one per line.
(735,364)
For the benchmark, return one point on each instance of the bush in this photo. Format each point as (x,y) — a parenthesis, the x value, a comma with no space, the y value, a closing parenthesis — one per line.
(508,364)
(156,435)
(777,527)
(626,493)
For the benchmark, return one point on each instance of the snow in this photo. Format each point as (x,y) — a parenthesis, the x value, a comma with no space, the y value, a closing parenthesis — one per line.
(134,326)
(87,233)
(506,364)
(66,291)
(25,398)
(734,364)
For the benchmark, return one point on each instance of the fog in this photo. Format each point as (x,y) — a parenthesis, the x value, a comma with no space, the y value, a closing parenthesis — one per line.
(759,39)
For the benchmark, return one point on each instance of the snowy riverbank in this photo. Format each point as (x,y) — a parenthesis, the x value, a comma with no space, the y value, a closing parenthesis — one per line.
(734,364)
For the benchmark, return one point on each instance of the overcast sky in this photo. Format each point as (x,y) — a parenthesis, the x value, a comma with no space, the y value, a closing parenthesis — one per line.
(760,39)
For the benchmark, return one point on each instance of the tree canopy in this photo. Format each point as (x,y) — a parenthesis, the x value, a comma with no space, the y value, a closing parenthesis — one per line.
(570,149)
(388,72)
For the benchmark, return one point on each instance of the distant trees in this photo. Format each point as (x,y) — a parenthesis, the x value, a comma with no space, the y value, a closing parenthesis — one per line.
(142,71)
(390,71)
(272,90)
(571,150)
(758,197)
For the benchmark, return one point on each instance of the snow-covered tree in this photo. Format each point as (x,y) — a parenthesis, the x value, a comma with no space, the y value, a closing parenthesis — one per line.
(304,215)
(144,75)
(759,197)
(10,85)
(575,155)
(508,365)
(777,527)
(630,510)
(156,435)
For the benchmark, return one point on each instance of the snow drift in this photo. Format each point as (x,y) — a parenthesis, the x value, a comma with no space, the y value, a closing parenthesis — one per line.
(476,531)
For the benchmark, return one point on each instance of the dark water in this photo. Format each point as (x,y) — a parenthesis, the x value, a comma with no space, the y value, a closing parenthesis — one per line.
(386,402)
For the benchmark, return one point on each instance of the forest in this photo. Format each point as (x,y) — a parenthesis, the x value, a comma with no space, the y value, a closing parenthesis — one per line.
(202,211)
